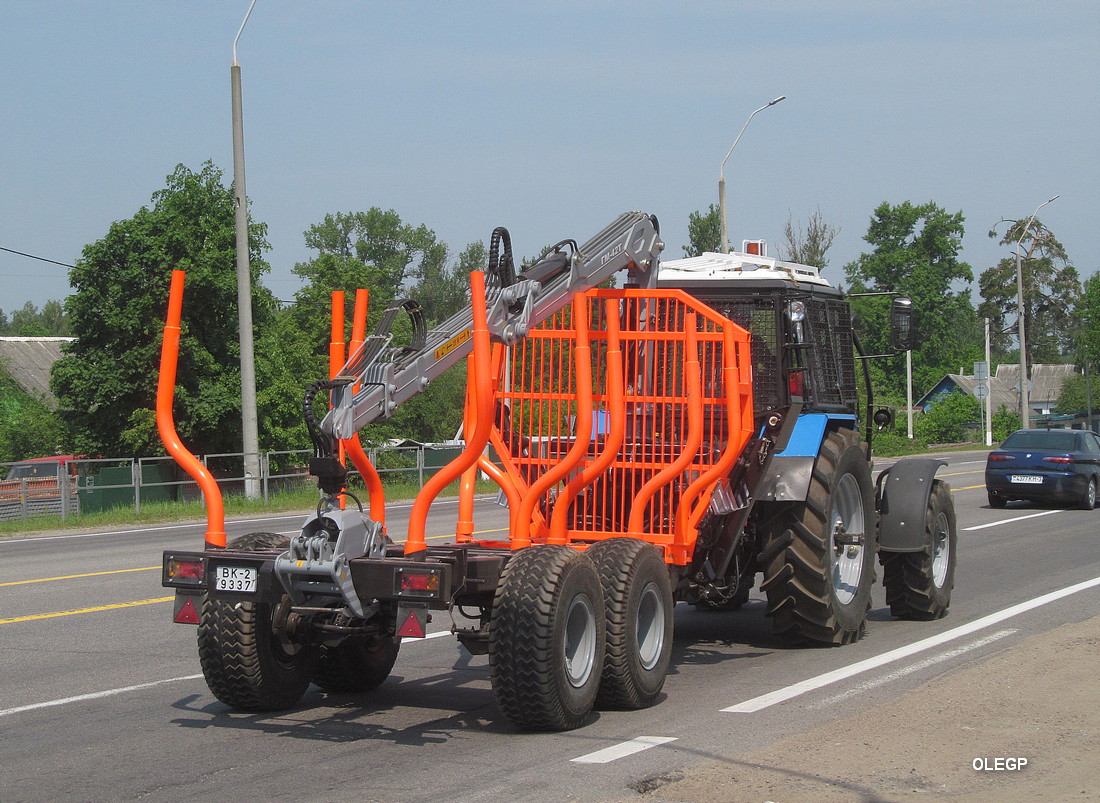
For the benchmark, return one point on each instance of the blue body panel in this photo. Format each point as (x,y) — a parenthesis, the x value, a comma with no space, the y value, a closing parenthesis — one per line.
(809,432)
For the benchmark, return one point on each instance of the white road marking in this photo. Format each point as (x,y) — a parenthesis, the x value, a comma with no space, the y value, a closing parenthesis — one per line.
(908,670)
(1009,521)
(93,696)
(114,692)
(623,749)
(811,684)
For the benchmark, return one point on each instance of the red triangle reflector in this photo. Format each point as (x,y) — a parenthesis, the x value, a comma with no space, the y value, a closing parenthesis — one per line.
(412,627)
(187,615)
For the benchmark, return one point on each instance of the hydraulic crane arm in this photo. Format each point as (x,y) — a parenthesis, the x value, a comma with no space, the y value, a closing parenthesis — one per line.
(379,376)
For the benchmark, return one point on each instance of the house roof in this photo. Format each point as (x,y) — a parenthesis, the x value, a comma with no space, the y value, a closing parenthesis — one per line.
(28,360)
(1044,390)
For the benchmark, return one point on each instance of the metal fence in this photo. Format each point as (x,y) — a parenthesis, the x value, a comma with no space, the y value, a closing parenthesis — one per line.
(92,485)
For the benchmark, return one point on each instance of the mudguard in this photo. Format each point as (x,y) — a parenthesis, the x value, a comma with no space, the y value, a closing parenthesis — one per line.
(903,492)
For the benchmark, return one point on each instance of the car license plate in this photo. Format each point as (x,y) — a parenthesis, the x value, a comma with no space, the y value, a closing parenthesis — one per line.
(235,578)
(1026,479)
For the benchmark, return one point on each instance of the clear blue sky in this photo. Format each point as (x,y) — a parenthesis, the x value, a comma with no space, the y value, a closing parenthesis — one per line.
(549,118)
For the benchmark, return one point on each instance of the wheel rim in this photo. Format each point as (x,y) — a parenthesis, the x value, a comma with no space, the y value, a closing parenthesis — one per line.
(580,641)
(1091,496)
(848,539)
(941,557)
(651,626)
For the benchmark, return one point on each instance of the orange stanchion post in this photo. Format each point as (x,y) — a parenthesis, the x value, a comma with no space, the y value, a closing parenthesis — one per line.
(465,527)
(687,516)
(581,437)
(166,388)
(353,446)
(476,440)
(336,356)
(690,447)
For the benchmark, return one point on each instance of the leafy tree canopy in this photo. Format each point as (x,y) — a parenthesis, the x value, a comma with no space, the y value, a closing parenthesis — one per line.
(31,322)
(914,252)
(377,251)
(1052,290)
(704,232)
(106,383)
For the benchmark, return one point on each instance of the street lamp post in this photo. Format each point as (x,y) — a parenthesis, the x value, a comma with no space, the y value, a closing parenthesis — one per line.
(249,425)
(1025,413)
(723,228)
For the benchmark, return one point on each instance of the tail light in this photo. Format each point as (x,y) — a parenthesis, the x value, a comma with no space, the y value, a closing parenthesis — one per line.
(181,571)
(417,582)
(796,384)
(1000,458)
(1060,460)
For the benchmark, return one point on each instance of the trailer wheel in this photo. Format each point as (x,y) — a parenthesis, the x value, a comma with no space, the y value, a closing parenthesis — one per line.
(546,638)
(638,595)
(356,667)
(820,567)
(918,584)
(246,665)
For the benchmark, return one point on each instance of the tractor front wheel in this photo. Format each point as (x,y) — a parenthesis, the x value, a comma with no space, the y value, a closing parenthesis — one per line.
(820,565)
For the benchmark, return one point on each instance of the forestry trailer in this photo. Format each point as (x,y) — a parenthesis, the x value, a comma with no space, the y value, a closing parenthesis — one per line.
(667,442)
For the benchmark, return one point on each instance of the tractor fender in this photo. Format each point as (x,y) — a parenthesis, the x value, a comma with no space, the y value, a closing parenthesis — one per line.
(788,475)
(902,499)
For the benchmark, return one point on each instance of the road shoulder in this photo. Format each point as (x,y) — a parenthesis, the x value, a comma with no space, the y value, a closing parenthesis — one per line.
(1038,700)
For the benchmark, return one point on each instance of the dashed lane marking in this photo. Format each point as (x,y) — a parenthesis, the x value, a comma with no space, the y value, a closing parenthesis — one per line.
(617,751)
(1009,521)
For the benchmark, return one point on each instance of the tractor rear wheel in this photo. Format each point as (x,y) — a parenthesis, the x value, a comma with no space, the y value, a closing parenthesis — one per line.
(918,584)
(546,638)
(820,565)
(638,594)
(246,664)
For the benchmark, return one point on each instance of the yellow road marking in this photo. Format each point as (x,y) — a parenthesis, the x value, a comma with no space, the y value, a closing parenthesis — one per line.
(75,576)
(98,608)
(85,610)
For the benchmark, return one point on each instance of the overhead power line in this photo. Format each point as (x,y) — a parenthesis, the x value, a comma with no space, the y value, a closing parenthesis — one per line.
(41,259)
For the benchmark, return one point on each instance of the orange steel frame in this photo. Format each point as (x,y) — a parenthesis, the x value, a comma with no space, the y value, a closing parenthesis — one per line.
(616,417)
(166,388)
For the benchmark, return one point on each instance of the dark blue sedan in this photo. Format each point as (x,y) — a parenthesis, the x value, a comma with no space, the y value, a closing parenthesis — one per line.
(1056,465)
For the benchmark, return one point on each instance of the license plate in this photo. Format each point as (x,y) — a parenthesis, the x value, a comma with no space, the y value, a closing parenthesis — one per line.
(1026,479)
(235,578)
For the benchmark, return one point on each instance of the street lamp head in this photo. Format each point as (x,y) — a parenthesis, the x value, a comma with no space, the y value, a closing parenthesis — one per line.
(784,97)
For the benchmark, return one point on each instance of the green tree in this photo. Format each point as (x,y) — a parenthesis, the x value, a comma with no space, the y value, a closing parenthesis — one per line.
(1087,326)
(949,419)
(809,247)
(915,252)
(704,232)
(29,321)
(28,427)
(106,383)
(377,251)
(1005,422)
(1052,290)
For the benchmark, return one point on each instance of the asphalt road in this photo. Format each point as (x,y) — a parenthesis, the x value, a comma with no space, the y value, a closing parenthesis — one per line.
(101,698)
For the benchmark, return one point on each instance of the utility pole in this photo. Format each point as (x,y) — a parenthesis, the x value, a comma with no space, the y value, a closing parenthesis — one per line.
(722,226)
(249,425)
(1025,405)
